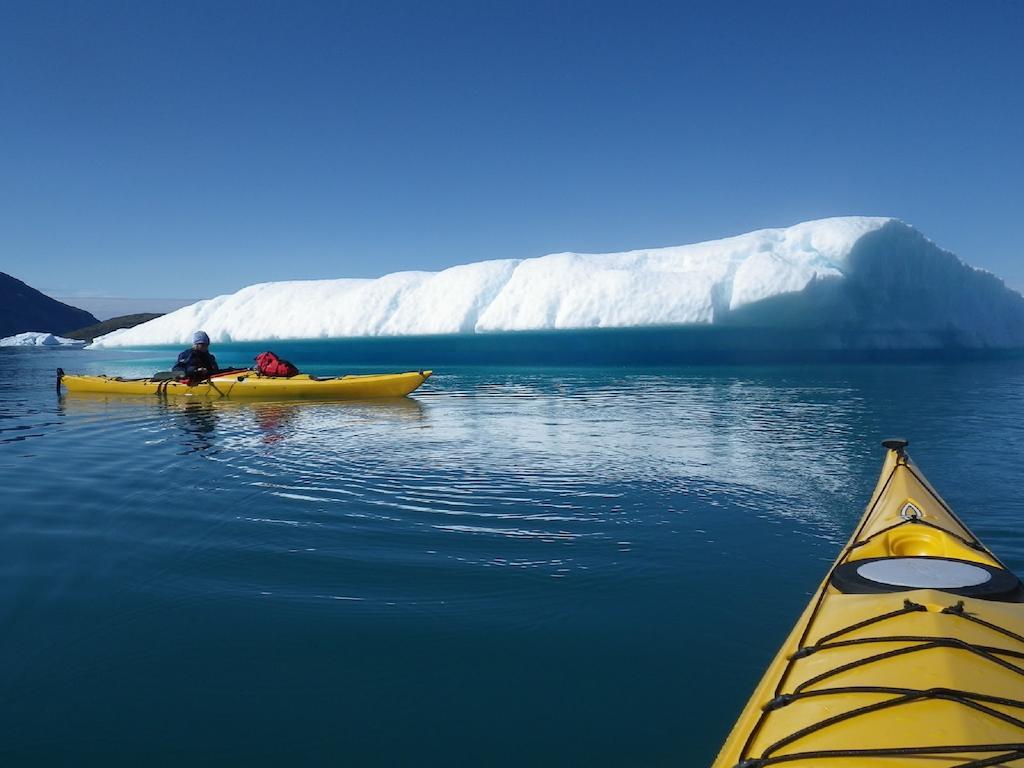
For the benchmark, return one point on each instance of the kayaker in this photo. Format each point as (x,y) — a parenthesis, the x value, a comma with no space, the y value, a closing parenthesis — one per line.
(197,363)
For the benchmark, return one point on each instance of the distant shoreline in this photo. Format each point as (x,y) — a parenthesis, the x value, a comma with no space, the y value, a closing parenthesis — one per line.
(106,308)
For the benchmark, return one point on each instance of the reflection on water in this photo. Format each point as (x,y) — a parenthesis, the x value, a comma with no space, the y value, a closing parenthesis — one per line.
(274,421)
(197,421)
(212,424)
(493,453)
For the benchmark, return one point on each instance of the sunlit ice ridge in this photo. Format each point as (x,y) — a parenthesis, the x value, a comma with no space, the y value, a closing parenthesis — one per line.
(838,284)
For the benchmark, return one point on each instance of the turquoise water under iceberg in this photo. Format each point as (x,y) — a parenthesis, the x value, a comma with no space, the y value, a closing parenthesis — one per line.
(517,565)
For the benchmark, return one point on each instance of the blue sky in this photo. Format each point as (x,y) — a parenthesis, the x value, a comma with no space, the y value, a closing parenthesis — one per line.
(186,149)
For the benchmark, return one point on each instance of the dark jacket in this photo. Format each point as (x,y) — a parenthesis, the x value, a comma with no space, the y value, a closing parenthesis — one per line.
(192,359)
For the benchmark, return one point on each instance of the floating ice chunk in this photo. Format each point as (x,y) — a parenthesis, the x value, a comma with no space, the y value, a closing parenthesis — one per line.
(38,339)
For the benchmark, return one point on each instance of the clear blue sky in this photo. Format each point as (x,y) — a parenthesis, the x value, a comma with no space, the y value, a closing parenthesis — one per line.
(185,149)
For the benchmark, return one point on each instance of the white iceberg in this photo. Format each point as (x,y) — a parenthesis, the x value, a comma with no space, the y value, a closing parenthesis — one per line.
(848,273)
(38,339)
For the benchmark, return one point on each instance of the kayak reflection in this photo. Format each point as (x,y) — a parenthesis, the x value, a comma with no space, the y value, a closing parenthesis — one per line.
(275,421)
(198,423)
(204,425)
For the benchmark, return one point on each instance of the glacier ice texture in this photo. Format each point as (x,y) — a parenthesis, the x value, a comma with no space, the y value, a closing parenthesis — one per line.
(848,282)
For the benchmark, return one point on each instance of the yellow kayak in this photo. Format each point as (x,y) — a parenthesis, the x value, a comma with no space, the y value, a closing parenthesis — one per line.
(911,652)
(251,384)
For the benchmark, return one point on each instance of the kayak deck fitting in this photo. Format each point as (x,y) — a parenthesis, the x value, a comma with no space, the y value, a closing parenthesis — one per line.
(911,652)
(236,384)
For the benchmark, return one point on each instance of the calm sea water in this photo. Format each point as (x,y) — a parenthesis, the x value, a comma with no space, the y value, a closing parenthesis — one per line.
(515,566)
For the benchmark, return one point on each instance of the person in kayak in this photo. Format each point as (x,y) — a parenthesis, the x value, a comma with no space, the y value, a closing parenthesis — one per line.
(196,363)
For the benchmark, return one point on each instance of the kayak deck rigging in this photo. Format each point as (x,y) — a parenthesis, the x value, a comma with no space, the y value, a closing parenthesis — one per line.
(901,696)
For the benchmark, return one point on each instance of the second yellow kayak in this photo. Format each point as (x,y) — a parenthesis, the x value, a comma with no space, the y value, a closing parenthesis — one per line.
(251,384)
(911,652)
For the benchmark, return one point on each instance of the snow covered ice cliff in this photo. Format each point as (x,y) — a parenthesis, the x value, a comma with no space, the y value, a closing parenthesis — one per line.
(872,282)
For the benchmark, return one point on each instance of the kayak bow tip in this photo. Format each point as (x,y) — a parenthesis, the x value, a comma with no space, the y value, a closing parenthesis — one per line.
(897,444)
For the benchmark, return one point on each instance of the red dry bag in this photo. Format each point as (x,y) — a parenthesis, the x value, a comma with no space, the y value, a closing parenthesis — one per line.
(269,364)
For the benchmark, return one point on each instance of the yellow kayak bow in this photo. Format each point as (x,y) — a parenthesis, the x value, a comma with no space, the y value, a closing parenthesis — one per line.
(911,652)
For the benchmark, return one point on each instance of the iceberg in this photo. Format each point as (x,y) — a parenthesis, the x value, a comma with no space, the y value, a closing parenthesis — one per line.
(866,281)
(38,339)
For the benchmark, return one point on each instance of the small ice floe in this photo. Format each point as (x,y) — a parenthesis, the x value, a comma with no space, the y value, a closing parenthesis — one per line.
(38,339)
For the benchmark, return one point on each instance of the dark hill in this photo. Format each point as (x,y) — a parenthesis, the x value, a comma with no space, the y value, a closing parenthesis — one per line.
(90,332)
(23,308)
